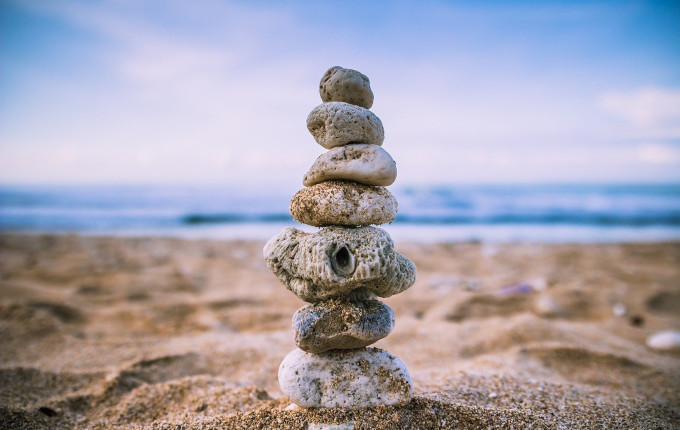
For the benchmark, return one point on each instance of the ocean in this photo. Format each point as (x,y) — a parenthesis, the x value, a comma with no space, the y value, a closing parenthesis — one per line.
(441,213)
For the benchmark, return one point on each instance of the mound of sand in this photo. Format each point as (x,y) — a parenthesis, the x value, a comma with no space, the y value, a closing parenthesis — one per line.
(171,334)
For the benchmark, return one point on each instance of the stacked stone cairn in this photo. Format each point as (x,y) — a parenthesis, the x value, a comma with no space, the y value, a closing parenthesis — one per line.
(344,267)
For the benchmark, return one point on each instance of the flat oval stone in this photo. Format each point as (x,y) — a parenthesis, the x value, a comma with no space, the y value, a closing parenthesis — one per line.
(358,162)
(340,323)
(337,123)
(665,340)
(346,85)
(336,261)
(354,378)
(343,203)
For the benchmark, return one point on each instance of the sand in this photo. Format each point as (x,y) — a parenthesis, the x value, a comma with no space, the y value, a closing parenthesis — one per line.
(171,334)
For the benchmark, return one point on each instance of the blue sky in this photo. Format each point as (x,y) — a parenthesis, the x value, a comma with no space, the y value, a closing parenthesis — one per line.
(124,91)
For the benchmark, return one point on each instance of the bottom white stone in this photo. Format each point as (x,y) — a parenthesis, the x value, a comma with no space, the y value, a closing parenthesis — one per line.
(353,378)
(344,426)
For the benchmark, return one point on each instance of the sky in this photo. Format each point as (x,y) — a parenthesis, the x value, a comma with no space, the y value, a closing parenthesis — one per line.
(218,92)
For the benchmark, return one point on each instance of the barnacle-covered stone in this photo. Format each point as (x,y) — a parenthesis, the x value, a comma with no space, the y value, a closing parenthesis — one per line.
(343,203)
(359,162)
(340,323)
(354,378)
(346,85)
(335,261)
(337,123)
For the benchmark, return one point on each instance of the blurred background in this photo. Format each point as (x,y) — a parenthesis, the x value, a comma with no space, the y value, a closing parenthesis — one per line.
(509,121)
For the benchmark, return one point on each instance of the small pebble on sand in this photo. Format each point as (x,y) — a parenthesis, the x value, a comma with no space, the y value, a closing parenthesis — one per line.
(665,340)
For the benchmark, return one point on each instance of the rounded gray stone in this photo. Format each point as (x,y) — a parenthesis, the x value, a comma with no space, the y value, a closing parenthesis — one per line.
(336,261)
(346,85)
(354,378)
(358,162)
(340,323)
(337,123)
(343,203)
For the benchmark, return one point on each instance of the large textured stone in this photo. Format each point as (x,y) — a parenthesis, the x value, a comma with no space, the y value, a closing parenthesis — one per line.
(346,85)
(335,261)
(359,162)
(343,203)
(353,378)
(336,123)
(340,323)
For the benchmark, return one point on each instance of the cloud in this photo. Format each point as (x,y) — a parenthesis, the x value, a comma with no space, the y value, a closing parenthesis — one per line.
(652,110)
(219,91)
(656,153)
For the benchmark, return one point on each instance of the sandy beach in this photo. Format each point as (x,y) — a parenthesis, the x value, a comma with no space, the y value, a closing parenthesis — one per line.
(179,334)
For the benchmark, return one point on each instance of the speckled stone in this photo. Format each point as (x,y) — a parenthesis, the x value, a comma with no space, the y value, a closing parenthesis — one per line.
(346,85)
(341,324)
(359,162)
(352,379)
(336,261)
(343,203)
(336,123)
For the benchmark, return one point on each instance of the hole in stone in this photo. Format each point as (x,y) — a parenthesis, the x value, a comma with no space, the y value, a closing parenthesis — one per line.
(342,257)
(342,261)
(47,411)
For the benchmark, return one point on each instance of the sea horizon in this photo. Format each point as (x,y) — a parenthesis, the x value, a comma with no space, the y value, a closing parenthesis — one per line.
(543,213)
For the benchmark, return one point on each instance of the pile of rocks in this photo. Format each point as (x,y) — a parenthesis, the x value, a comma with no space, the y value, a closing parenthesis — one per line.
(344,267)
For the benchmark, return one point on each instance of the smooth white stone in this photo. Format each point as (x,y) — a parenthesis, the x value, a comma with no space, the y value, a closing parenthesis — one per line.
(354,378)
(344,426)
(359,162)
(664,340)
(337,123)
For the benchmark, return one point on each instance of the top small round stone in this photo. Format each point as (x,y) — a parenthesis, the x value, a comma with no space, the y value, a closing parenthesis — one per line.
(346,85)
